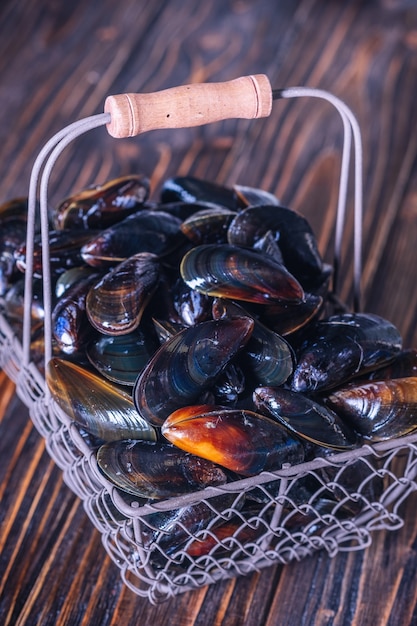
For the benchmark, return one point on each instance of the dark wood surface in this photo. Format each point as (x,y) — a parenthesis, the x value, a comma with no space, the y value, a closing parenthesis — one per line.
(58,62)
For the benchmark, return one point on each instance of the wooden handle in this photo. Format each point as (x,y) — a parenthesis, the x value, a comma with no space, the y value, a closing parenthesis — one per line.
(189,105)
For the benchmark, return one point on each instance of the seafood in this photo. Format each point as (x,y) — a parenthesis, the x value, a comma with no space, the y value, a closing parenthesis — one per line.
(98,406)
(342,347)
(151,231)
(70,327)
(116,302)
(156,470)
(189,189)
(251,196)
(187,365)
(102,205)
(292,232)
(304,417)
(267,356)
(208,225)
(64,251)
(242,441)
(378,410)
(121,358)
(238,273)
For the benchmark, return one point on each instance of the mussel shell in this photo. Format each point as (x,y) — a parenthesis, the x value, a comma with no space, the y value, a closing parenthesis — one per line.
(187,365)
(192,306)
(144,231)
(208,225)
(238,273)
(305,417)
(295,237)
(64,251)
(15,299)
(378,410)
(115,304)
(404,365)
(342,347)
(287,318)
(241,441)
(12,210)
(252,196)
(70,277)
(102,205)
(156,470)
(190,189)
(121,358)
(100,407)
(70,326)
(267,357)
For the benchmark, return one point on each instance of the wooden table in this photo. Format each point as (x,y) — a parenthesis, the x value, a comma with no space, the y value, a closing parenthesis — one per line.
(58,62)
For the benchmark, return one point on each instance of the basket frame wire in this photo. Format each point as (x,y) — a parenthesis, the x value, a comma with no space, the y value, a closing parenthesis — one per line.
(124,524)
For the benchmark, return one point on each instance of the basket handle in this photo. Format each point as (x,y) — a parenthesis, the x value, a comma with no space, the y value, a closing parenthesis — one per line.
(247,97)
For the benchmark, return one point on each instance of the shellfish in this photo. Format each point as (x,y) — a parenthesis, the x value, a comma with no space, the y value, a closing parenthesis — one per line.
(187,365)
(242,441)
(156,470)
(238,273)
(98,406)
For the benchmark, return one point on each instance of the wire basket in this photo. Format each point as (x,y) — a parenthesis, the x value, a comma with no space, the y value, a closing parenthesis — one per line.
(168,547)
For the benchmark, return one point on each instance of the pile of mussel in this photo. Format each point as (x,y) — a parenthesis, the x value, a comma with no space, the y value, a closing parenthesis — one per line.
(192,342)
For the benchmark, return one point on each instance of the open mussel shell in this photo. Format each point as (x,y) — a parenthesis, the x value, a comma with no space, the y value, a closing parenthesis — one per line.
(102,205)
(115,304)
(242,441)
(146,230)
(121,358)
(378,410)
(305,417)
(100,407)
(156,470)
(187,365)
(229,271)
(342,347)
(295,238)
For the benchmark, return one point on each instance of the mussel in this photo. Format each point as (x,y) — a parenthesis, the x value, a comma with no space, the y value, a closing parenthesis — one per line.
(156,470)
(344,346)
(115,304)
(242,441)
(378,409)
(187,365)
(305,417)
(102,205)
(98,406)
(233,272)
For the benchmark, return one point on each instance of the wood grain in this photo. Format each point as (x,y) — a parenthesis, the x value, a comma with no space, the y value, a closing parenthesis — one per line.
(58,63)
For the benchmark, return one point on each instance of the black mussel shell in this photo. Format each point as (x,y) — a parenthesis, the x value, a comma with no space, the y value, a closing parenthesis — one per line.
(115,304)
(189,189)
(156,470)
(238,273)
(378,410)
(344,346)
(304,417)
(188,364)
(293,233)
(102,205)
